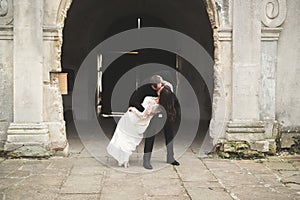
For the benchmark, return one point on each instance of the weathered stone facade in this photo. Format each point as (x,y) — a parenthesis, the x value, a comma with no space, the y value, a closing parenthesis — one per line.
(247,62)
(32,121)
(256,73)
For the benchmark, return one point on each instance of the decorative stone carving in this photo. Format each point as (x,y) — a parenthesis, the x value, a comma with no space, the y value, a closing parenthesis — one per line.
(273,12)
(270,34)
(6,14)
(3,8)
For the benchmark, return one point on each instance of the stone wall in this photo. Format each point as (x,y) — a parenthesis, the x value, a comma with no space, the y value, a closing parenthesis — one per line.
(31,110)
(246,56)
(54,13)
(288,77)
(288,69)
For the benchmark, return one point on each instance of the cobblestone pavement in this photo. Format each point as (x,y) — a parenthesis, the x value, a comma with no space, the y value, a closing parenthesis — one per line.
(80,176)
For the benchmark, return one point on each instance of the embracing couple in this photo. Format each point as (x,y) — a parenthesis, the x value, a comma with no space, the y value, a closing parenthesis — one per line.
(139,122)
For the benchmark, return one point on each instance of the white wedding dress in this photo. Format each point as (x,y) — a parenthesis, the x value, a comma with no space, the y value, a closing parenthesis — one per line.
(130,129)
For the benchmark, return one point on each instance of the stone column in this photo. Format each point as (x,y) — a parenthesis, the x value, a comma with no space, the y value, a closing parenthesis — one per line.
(245,121)
(246,61)
(28,61)
(28,135)
(273,14)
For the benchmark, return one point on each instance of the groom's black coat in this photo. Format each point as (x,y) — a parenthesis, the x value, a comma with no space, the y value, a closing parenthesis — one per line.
(139,94)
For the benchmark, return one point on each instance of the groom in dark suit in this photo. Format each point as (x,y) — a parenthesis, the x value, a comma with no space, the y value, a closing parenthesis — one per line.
(169,128)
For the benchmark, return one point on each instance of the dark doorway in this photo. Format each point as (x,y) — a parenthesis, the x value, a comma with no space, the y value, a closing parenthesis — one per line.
(128,62)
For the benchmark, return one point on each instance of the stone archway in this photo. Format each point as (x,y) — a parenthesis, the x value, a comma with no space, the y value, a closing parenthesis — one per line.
(49,127)
(241,72)
(214,19)
(220,21)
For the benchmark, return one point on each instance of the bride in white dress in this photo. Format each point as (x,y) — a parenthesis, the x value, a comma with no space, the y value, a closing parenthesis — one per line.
(130,129)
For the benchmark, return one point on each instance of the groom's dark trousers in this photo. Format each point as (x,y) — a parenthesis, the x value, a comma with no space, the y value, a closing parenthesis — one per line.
(169,129)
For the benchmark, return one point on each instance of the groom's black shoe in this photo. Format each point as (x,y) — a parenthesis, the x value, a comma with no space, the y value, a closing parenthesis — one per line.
(174,163)
(147,165)
(146,161)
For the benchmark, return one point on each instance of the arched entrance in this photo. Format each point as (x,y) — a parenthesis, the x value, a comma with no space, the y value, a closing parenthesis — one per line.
(90,22)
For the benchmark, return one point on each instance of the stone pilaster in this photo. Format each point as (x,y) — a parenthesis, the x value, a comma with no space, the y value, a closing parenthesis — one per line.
(28,132)
(246,61)
(273,14)
(222,84)
(269,38)
(245,124)
(254,72)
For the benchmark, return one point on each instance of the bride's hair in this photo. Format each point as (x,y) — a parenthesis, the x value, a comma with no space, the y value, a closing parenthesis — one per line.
(167,100)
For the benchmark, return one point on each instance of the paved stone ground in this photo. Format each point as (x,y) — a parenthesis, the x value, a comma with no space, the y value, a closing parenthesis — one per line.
(80,176)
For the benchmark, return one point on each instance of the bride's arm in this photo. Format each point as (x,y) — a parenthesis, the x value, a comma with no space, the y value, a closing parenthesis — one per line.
(143,114)
(151,108)
(148,104)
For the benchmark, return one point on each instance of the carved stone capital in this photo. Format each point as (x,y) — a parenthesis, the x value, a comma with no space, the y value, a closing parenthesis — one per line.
(224,34)
(52,33)
(270,34)
(6,32)
(273,12)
